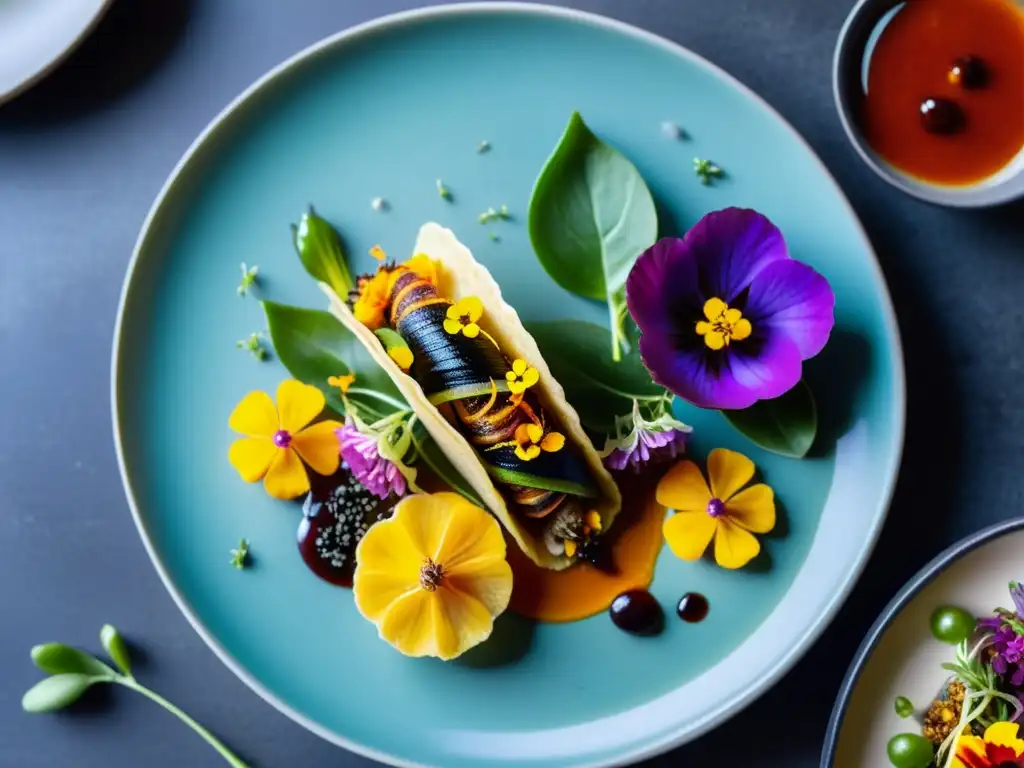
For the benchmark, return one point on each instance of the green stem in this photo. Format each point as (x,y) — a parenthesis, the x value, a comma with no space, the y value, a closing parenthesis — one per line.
(213,741)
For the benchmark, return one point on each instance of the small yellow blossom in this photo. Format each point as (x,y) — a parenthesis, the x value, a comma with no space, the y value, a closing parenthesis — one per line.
(278,439)
(726,512)
(462,317)
(341,382)
(724,324)
(521,377)
(373,300)
(530,440)
(433,577)
(423,266)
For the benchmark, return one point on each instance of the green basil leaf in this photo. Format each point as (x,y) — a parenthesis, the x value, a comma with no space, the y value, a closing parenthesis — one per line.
(56,692)
(313,345)
(597,387)
(591,215)
(319,248)
(116,648)
(57,658)
(786,425)
(441,465)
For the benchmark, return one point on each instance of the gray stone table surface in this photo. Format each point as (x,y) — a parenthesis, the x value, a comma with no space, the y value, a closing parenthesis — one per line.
(83,155)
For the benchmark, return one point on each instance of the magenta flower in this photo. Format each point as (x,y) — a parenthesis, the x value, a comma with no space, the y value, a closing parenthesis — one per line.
(727,317)
(378,475)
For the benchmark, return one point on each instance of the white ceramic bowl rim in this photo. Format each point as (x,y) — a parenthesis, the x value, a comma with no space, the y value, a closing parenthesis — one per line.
(903,598)
(813,612)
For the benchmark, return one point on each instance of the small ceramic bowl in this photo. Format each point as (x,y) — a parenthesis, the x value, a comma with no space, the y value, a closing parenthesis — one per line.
(856,40)
(899,656)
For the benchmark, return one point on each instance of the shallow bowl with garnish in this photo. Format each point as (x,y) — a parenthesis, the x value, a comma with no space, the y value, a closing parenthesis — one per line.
(938,677)
(506,198)
(931,95)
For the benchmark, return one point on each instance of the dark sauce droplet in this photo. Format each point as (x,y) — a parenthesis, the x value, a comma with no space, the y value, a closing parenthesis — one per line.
(335,517)
(693,607)
(637,612)
(597,553)
(969,72)
(942,117)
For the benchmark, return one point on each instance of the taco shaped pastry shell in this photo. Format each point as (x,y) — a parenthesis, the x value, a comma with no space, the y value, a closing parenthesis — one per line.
(484,393)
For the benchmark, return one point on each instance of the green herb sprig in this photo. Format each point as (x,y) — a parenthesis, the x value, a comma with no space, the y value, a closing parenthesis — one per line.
(240,556)
(72,672)
(250,276)
(253,345)
(706,170)
(501,214)
(443,191)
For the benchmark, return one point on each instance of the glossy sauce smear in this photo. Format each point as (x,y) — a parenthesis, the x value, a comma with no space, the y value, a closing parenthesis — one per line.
(945,92)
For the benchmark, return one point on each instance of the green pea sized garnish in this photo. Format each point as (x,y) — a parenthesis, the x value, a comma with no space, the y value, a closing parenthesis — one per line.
(951,624)
(904,707)
(910,750)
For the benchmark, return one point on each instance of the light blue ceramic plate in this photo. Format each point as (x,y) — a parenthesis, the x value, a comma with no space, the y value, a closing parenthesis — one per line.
(384,110)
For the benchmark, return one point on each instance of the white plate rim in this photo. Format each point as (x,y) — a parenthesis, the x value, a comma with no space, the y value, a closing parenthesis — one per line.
(782,664)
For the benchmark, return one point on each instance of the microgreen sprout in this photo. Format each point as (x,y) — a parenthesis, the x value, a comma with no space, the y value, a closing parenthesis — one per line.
(494,237)
(240,556)
(253,345)
(250,276)
(72,672)
(491,214)
(443,191)
(706,170)
(483,147)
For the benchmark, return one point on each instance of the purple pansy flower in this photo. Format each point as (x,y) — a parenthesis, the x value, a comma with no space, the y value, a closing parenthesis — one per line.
(360,451)
(727,317)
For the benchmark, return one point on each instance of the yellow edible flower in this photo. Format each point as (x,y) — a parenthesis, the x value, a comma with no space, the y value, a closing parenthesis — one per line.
(424,267)
(341,382)
(462,317)
(724,324)
(378,253)
(521,377)
(724,512)
(531,440)
(998,747)
(373,300)
(433,577)
(402,357)
(278,439)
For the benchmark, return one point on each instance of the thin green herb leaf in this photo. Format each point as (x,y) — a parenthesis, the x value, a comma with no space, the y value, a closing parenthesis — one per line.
(250,276)
(319,248)
(57,692)
(240,556)
(116,648)
(57,658)
(591,215)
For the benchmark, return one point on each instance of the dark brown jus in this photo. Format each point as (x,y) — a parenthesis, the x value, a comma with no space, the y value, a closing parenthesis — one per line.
(637,612)
(942,117)
(969,72)
(335,516)
(693,607)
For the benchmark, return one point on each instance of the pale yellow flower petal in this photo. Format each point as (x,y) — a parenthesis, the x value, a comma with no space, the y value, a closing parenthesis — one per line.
(375,591)
(286,478)
(255,416)
(529,453)
(702,327)
(388,549)
(469,533)
(452,326)
(298,404)
(519,367)
(452,314)
(714,340)
(318,447)
(753,508)
(424,521)
(409,623)
(530,377)
(729,471)
(515,386)
(471,331)
(487,578)
(742,330)
(553,442)
(535,432)
(683,488)
(461,621)
(689,533)
(471,306)
(251,456)
(734,547)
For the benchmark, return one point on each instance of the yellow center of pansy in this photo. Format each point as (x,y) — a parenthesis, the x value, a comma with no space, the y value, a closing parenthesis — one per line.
(530,440)
(521,377)
(723,324)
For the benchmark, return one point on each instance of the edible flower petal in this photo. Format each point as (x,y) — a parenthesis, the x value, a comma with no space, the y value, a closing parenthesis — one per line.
(998,747)
(723,512)
(433,577)
(372,299)
(462,317)
(638,441)
(726,316)
(360,448)
(521,377)
(277,439)
(341,382)
(530,440)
